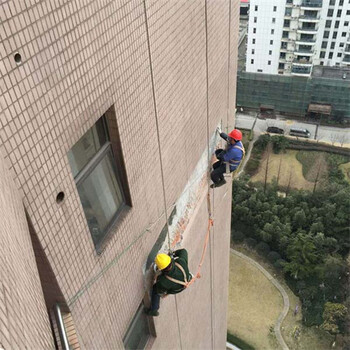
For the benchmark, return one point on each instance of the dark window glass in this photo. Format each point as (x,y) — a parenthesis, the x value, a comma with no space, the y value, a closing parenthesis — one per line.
(256,7)
(255,19)
(252,61)
(331,2)
(339,54)
(332,45)
(343,34)
(324,44)
(273,20)
(339,13)
(271,42)
(254,30)
(281,66)
(326,34)
(322,54)
(272,31)
(335,35)
(95,172)
(330,12)
(138,333)
(346,23)
(269,63)
(328,23)
(336,25)
(330,55)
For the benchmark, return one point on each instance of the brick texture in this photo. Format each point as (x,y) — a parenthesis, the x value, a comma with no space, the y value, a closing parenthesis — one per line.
(78,59)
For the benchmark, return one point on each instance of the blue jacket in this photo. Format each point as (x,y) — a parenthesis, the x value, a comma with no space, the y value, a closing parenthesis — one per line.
(233,155)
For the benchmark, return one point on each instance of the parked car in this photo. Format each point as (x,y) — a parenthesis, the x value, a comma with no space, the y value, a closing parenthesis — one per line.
(275,130)
(299,132)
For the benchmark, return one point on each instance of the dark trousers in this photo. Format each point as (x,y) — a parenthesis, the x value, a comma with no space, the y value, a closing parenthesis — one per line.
(217,175)
(155,300)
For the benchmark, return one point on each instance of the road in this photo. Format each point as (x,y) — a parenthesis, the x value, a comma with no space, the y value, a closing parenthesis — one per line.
(333,135)
(284,294)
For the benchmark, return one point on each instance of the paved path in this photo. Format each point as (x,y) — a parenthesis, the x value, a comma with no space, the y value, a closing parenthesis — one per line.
(284,312)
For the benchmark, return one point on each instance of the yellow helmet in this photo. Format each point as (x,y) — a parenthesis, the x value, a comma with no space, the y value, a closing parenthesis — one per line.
(162,261)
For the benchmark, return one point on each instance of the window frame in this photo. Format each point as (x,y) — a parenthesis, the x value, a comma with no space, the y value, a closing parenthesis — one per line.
(108,148)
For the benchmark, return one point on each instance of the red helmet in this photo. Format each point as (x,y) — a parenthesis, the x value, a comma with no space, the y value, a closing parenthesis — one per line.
(235,134)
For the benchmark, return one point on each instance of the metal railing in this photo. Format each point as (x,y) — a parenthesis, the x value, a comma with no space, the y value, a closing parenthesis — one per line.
(312,3)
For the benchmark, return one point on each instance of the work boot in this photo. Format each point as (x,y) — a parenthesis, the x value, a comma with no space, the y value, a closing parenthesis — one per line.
(221,183)
(150,312)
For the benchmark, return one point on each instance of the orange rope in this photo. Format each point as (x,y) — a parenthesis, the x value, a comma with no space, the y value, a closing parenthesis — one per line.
(198,274)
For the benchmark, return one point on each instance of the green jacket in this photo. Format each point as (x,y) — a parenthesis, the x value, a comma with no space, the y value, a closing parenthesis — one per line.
(163,285)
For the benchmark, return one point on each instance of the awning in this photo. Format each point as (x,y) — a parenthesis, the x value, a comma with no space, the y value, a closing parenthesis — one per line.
(320,108)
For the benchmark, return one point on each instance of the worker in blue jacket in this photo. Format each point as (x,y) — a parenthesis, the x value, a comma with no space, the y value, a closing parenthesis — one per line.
(233,155)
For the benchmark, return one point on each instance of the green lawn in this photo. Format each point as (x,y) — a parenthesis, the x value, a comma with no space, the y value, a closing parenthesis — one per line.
(345,168)
(310,338)
(254,305)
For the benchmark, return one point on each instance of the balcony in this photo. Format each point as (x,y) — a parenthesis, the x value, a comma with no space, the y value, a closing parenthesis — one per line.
(307,31)
(305,41)
(303,52)
(302,62)
(309,19)
(347,48)
(311,4)
(346,58)
(301,71)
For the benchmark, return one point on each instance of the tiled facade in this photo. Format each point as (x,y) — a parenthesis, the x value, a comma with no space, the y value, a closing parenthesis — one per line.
(148,60)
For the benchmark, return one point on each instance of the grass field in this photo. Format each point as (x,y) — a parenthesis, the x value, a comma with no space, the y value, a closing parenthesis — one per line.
(345,168)
(312,162)
(290,168)
(254,305)
(310,338)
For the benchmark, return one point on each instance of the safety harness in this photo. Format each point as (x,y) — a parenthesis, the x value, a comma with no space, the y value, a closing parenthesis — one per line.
(234,162)
(184,282)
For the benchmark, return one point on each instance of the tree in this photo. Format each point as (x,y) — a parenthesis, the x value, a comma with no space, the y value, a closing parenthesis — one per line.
(334,317)
(302,256)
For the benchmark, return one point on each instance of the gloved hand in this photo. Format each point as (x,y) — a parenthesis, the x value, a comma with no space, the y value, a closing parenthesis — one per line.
(218,130)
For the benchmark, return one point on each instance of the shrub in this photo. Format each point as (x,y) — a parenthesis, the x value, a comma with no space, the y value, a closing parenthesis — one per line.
(279,264)
(250,242)
(262,142)
(279,143)
(252,166)
(237,236)
(263,248)
(273,256)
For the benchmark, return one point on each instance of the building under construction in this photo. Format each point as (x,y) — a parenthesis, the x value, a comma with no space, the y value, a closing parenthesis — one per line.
(109,111)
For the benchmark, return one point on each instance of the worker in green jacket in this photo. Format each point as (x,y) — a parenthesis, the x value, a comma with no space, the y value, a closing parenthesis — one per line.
(173,279)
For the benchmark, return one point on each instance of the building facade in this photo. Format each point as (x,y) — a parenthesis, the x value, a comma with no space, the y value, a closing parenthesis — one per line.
(289,37)
(108,120)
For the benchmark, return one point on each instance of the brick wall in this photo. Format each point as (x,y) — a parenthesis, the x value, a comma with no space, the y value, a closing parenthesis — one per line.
(23,316)
(77,60)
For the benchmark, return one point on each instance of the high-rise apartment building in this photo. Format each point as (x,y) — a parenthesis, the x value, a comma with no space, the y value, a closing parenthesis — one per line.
(108,110)
(291,36)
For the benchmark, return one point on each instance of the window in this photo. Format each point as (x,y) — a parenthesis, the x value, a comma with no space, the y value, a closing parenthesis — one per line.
(255,19)
(286,23)
(330,12)
(269,63)
(331,2)
(335,35)
(254,30)
(343,34)
(283,46)
(339,54)
(348,12)
(321,63)
(270,52)
(271,42)
(253,41)
(324,44)
(285,34)
(272,31)
(98,179)
(273,20)
(326,34)
(332,45)
(288,11)
(274,8)
(281,66)
(252,61)
(336,24)
(253,51)
(330,55)
(256,8)
(283,55)
(346,23)
(322,54)
(339,13)
(328,23)
(341,2)
(138,333)
(260,70)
